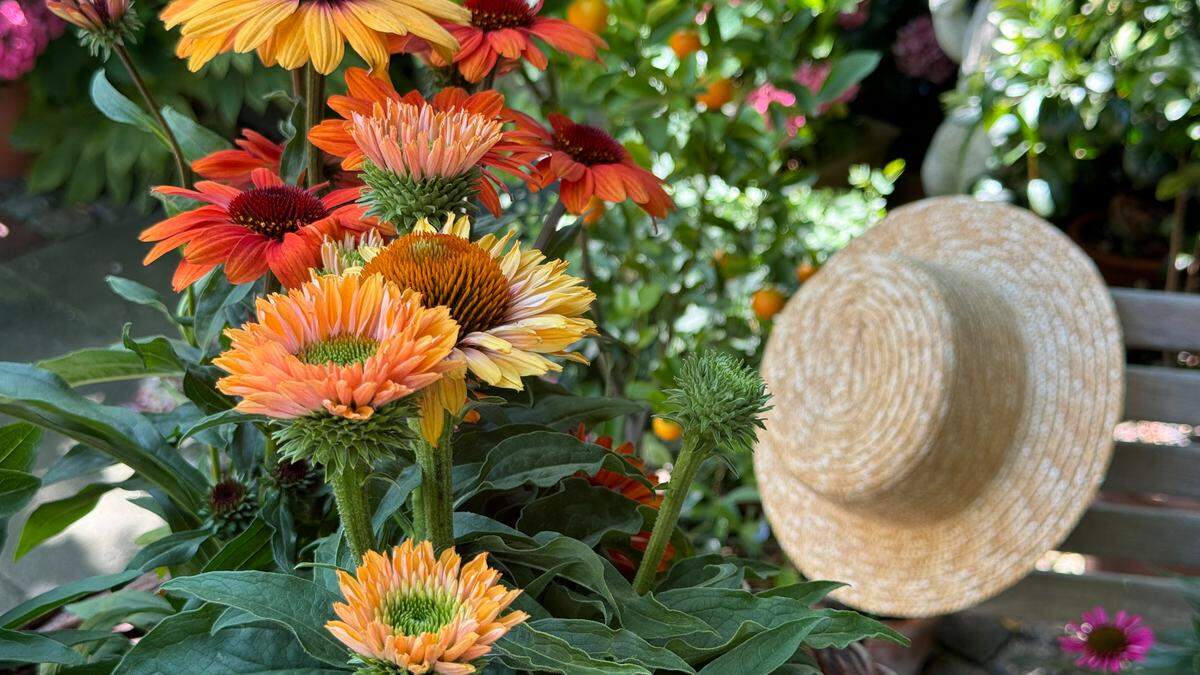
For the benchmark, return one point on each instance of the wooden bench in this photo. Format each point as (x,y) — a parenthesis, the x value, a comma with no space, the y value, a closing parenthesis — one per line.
(1157,537)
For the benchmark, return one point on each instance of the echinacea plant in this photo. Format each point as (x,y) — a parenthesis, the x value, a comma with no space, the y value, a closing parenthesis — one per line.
(376,378)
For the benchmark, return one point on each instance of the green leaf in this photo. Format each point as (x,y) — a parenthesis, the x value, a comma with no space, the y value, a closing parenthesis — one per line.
(609,644)
(541,458)
(187,643)
(138,293)
(80,460)
(248,550)
(117,108)
(36,395)
(22,647)
(219,419)
(581,511)
(846,72)
(51,518)
(194,140)
(526,648)
(38,606)
(565,412)
(807,593)
(298,604)
(16,489)
(843,627)
(764,652)
(217,304)
(139,608)
(173,549)
(18,446)
(90,366)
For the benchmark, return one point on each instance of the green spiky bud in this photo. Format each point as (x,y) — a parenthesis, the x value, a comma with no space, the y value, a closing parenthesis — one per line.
(337,442)
(231,506)
(367,666)
(402,200)
(297,477)
(720,400)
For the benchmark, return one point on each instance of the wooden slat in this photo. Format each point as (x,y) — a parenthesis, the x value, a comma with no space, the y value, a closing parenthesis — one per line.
(1058,598)
(1162,394)
(1156,469)
(1159,320)
(1143,533)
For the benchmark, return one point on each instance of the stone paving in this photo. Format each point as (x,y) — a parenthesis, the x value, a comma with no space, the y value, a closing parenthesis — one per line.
(53,300)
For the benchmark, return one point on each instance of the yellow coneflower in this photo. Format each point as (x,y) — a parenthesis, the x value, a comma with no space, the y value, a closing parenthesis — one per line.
(291,33)
(421,614)
(514,308)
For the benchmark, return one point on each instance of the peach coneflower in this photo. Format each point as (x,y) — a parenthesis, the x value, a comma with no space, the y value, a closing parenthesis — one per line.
(366,96)
(514,307)
(420,613)
(503,32)
(338,345)
(292,33)
(591,163)
(271,226)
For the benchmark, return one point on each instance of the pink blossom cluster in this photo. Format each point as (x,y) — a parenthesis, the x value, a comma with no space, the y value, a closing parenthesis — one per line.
(856,18)
(809,75)
(918,54)
(25,30)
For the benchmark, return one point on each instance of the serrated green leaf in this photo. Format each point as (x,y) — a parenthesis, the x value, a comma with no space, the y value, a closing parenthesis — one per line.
(80,460)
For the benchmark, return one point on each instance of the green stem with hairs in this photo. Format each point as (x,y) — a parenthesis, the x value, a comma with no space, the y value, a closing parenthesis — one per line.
(350,495)
(185,176)
(691,456)
(314,101)
(437,491)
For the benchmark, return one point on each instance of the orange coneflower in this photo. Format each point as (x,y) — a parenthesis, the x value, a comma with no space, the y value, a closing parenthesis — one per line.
(269,226)
(291,33)
(501,33)
(338,345)
(369,97)
(255,151)
(421,614)
(591,163)
(633,489)
(514,307)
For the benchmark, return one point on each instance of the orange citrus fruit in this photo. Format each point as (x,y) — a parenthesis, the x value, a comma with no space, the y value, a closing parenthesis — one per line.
(589,15)
(684,42)
(718,93)
(666,430)
(767,302)
(804,271)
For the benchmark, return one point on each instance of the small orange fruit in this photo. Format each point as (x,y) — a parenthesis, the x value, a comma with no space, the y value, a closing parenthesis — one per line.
(589,15)
(684,42)
(718,93)
(471,417)
(804,271)
(666,430)
(767,302)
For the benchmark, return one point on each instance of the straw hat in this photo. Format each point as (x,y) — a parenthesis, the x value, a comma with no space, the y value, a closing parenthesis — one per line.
(945,391)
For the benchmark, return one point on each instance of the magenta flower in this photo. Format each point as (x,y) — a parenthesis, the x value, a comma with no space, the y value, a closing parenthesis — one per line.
(918,54)
(25,30)
(812,77)
(1107,646)
(856,18)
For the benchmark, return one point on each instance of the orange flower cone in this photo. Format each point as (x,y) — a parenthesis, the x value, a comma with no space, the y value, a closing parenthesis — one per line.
(422,614)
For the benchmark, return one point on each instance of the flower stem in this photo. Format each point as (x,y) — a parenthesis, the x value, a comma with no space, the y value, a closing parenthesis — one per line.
(314,102)
(350,494)
(691,456)
(550,225)
(437,491)
(185,177)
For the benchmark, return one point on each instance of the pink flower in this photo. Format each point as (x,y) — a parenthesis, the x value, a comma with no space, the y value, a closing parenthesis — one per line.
(1107,646)
(918,54)
(855,19)
(25,30)
(761,98)
(812,77)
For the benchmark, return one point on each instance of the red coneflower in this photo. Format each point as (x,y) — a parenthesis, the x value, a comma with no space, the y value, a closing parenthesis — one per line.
(1105,645)
(591,163)
(501,33)
(365,95)
(255,151)
(271,226)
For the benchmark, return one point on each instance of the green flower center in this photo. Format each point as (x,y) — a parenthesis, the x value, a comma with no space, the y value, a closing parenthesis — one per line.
(415,614)
(1107,640)
(342,350)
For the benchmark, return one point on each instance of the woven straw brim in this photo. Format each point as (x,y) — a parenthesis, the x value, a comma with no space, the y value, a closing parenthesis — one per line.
(1066,397)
